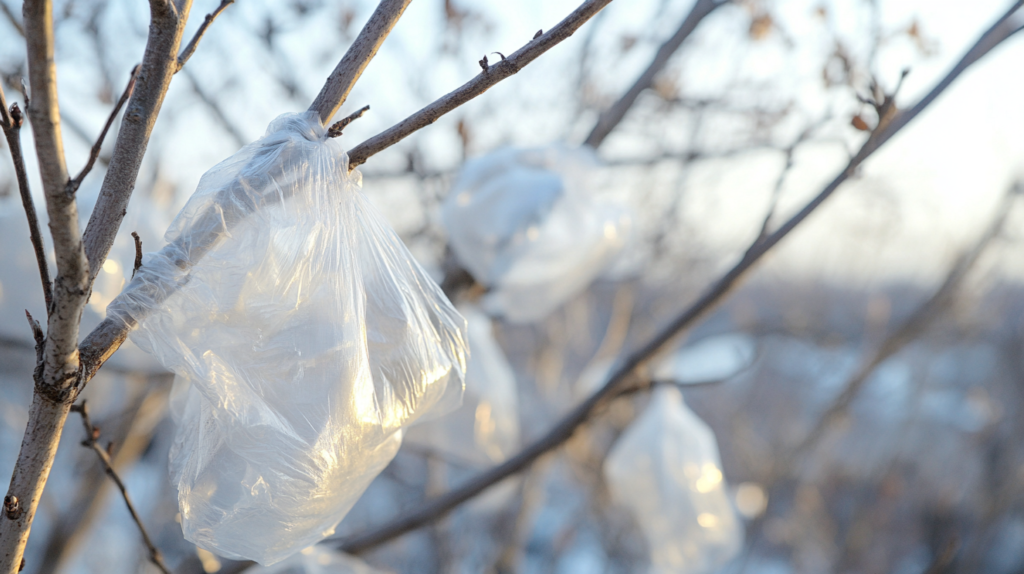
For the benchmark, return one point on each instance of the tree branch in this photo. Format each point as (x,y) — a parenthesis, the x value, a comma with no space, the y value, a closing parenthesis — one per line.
(194,43)
(564,429)
(478,85)
(94,153)
(215,108)
(55,377)
(363,49)
(71,286)
(159,64)
(91,435)
(611,117)
(12,18)
(912,328)
(59,379)
(11,122)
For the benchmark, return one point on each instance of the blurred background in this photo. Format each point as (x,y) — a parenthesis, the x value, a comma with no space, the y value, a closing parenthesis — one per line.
(865,382)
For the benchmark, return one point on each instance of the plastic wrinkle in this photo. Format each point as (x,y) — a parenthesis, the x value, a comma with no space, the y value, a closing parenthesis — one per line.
(304,337)
(665,468)
(527,224)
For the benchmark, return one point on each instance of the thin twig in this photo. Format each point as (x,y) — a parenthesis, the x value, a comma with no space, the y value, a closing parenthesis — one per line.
(133,429)
(336,128)
(11,122)
(194,43)
(357,57)
(159,63)
(40,339)
(94,153)
(216,109)
(12,18)
(910,329)
(138,253)
(478,85)
(565,428)
(789,152)
(613,115)
(92,434)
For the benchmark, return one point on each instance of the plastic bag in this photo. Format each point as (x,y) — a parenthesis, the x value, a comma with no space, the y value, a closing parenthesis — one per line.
(665,468)
(485,430)
(525,223)
(304,339)
(711,359)
(318,560)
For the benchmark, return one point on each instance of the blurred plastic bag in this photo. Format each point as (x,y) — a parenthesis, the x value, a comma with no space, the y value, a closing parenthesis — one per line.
(714,358)
(304,339)
(665,468)
(318,560)
(525,223)
(485,430)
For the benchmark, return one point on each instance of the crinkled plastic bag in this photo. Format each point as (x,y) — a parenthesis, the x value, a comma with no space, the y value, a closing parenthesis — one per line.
(526,223)
(304,337)
(665,468)
(318,560)
(485,430)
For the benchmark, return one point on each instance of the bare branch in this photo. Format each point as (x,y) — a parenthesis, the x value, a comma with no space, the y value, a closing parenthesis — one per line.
(613,115)
(132,429)
(478,85)
(94,153)
(55,377)
(335,130)
(138,253)
(11,124)
(912,328)
(92,434)
(564,429)
(42,435)
(70,289)
(218,112)
(159,64)
(363,49)
(59,380)
(12,18)
(194,43)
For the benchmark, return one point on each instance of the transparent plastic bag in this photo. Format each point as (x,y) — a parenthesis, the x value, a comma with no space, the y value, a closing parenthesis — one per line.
(318,560)
(485,430)
(665,468)
(527,224)
(714,358)
(304,337)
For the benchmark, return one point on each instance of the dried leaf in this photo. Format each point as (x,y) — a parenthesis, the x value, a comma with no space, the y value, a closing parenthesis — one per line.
(761,26)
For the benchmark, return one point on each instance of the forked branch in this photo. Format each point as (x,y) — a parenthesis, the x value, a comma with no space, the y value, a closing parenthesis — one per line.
(194,43)
(363,49)
(94,153)
(159,64)
(481,83)
(611,117)
(92,435)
